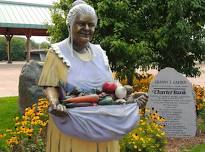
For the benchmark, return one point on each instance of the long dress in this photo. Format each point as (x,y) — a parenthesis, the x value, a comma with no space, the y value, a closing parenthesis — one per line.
(58,68)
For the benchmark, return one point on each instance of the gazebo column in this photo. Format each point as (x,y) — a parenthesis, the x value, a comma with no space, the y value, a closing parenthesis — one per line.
(8,47)
(28,45)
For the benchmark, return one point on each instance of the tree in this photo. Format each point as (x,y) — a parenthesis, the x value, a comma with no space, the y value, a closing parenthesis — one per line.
(174,30)
(121,38)
(34,45)
(44,45)
(18,49)
(142,32)
(59,31)
(3,53)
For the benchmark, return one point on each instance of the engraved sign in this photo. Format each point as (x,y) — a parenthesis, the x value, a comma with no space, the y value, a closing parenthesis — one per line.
(172,96)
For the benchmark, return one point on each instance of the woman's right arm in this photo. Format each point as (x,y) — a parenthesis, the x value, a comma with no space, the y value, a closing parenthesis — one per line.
(52,95)
(49,79)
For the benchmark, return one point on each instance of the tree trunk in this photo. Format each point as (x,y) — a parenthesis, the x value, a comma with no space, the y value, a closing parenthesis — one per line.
(130,78)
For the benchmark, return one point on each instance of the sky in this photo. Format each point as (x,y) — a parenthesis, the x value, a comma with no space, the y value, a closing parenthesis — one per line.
(35,1)
(37,39)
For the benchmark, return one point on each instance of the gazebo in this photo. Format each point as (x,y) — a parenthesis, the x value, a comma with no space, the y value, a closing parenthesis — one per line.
(19,18)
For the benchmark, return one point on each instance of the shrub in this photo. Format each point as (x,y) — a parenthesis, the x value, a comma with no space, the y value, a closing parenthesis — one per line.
(148,136)
(200,106)
(200,96)
(141,82)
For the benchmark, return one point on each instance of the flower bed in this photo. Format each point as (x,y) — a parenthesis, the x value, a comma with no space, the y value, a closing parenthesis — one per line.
(30,130)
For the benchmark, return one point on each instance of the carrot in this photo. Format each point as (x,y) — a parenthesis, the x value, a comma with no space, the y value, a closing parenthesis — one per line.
(88,98)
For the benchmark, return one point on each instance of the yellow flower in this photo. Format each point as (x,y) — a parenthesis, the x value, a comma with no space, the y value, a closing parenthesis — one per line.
(24,123)
(12,140)
(17,118)
(2,135)
(140,129)
(141,139)
(162,133)
(136,137)
(158,135)
(25,117)
(17,123)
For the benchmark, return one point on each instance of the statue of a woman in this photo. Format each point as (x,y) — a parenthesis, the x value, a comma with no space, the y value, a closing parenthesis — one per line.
(82,64)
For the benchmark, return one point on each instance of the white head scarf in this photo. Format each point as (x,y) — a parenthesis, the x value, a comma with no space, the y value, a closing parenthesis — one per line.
(78,7)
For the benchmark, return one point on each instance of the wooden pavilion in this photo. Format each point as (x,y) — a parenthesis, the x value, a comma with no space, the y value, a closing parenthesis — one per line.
(19,18)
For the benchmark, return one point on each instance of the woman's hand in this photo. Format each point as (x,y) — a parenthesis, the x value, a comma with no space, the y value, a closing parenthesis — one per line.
(58,107)
(58,110)
(140,98)
(55,107)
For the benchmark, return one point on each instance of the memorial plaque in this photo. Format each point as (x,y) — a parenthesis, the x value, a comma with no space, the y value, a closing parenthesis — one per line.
(171,95)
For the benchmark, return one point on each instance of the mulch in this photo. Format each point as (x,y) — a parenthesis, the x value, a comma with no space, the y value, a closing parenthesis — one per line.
(177,144)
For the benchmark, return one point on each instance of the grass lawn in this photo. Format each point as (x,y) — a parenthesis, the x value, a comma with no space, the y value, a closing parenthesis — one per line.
(198,148)
(8,111)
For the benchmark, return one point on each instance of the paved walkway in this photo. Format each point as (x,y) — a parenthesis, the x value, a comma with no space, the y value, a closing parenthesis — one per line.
(9,78)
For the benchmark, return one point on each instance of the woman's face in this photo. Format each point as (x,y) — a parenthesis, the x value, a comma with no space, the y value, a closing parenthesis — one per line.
(83,29)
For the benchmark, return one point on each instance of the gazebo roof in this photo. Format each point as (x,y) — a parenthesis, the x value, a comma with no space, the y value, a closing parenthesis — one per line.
(18,18)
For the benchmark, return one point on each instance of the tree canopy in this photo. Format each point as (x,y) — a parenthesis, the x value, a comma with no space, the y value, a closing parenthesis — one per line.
(144,32)
(17,49)
(175,30)
(3,54)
